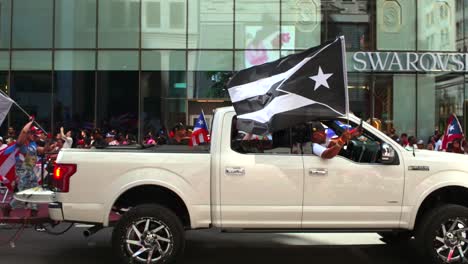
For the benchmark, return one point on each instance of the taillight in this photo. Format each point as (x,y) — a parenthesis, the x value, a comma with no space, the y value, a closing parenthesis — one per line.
(61,176)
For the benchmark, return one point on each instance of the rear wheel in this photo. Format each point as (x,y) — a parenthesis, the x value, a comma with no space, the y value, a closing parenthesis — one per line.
(443,234)
(148,234)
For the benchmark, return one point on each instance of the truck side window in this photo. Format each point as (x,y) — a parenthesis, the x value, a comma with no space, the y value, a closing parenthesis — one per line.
(271,143)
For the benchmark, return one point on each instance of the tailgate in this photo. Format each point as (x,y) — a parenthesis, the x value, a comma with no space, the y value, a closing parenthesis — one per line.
(36,195)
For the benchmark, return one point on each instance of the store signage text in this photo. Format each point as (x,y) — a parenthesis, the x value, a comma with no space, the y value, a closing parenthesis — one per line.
(409,62)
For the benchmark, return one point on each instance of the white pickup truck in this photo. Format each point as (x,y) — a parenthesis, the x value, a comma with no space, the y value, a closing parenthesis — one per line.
(374,185)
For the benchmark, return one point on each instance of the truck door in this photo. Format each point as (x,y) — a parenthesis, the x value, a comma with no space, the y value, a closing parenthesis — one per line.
(261,181)
(353,190)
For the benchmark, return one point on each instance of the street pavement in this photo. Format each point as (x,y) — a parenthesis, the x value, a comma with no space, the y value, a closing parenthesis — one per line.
(211,247)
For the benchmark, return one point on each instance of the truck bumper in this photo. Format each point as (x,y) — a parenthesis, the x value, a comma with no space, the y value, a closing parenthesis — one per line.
(56,211)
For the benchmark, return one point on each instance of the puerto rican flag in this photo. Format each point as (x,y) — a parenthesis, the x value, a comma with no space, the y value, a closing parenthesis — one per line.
(452,131)
(200,132)
(7,165)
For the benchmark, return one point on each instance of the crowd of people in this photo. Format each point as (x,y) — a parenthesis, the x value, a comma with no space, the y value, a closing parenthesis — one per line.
(434,142)
(96,138)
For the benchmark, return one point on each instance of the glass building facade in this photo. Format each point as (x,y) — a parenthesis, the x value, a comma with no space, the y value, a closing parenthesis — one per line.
(139,65)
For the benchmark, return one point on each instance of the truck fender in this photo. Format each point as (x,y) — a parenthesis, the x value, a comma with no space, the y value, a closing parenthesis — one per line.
(148,176)
(439,180)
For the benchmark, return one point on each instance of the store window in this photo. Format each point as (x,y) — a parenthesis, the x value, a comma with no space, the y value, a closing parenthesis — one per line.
(119,23)
(35,18)
(257,24)
(4,60)
(75,24)
(439,33)
(5,18)
(163,84)
(74,89)
(31,60)
(33,91)
(117,91)
(209,71)
(396,24)
(74,100)
(163,24)
(300,24)
(351,19)
(208,20)
(443,95)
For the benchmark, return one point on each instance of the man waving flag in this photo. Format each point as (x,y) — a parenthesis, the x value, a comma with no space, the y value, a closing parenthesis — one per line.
(294,89)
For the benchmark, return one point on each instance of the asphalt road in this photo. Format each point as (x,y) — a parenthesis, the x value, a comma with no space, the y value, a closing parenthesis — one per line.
(209,247)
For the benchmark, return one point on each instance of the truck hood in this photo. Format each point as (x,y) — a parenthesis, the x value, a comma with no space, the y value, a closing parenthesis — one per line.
(437,161)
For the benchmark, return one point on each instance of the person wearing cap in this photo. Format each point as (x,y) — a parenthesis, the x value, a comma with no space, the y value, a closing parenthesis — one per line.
(25,163)
(319,141)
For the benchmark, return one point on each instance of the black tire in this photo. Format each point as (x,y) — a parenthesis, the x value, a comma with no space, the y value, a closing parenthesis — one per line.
(396,237)
(158,217)
(430,227)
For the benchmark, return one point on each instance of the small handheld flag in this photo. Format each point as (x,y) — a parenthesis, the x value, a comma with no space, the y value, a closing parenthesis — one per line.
(200,132)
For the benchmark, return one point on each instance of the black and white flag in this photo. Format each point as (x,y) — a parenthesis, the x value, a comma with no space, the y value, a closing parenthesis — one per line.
(295,89)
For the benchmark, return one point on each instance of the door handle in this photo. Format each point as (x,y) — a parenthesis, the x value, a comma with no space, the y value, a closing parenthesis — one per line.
(235,171)
(318,172)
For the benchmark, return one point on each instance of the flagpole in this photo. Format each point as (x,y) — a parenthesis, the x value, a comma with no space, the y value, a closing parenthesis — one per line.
(345,75)
(24,111)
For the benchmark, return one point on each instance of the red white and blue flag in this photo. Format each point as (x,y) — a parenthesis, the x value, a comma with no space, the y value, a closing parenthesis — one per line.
(7,165)
(200,132)
(452,131)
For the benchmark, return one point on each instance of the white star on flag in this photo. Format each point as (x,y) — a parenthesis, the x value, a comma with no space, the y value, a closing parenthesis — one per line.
(451,128)
(321,79)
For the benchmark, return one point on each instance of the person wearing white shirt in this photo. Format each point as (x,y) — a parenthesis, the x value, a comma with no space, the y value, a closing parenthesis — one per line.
(67,138)
(319,139)
(2,145)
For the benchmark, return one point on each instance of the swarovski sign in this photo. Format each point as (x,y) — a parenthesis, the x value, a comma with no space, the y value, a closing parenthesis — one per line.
(409,62)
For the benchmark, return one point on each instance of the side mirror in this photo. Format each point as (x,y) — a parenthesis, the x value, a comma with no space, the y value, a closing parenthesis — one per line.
(388,154)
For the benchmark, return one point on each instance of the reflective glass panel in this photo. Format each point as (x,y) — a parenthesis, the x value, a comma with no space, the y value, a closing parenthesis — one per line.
(208,20)
(118,60)
(300,24)
(208,73)
(33,91)
(163,24)
(75,60)
(257,24)
(248,58)
(73,102)
(5,18)
(32,24)
(396,25)
(4,60)
(75,24)
(351,19)
(438,24)
(31,60)
(117,106)
(439,95)
(118,23)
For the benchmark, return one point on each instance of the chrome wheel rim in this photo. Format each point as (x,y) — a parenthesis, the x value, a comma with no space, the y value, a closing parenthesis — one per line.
(148,240)
(450,241)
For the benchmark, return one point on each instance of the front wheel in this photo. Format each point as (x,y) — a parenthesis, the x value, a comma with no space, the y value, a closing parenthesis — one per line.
(443,234)
(148,233)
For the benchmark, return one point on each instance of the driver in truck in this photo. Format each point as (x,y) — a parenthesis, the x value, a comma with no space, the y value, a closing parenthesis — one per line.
(319,141)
